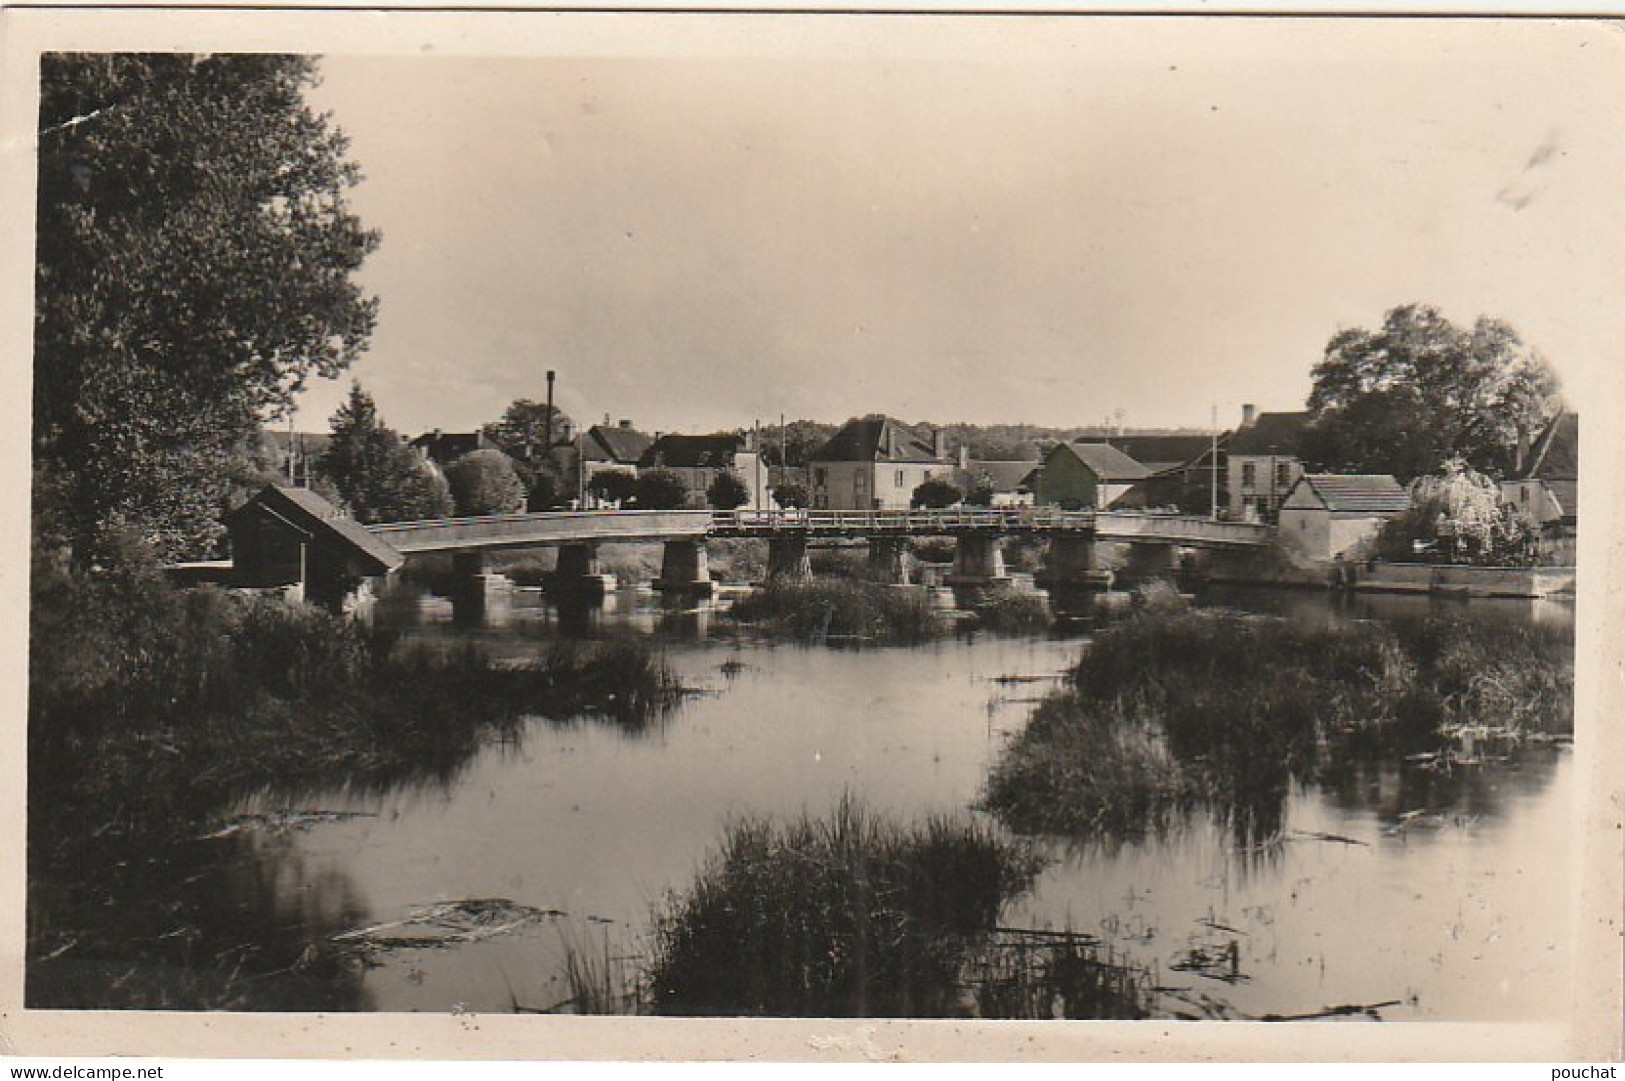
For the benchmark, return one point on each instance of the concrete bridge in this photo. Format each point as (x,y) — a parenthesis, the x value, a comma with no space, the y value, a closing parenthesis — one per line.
(1070,561)
(285,536)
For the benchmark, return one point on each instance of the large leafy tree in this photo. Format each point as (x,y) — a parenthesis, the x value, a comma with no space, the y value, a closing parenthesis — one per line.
(194,268)
(380,478)
(485,482)
(1421,390)
(523,428)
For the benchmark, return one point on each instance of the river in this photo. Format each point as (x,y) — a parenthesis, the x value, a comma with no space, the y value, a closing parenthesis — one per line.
(1397,885)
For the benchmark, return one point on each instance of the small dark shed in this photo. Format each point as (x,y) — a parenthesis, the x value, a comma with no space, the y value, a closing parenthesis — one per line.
(292,536)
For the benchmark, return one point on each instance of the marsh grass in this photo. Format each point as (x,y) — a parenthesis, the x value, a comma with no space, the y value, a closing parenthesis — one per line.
(838,609)
(1012,611)
(1175,710)
(847,915)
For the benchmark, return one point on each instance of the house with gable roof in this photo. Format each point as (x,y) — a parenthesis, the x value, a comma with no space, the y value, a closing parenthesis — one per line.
(874,463)
(1327,515)
(1090,476)
(698,459)
(1262,462)
(1547,487)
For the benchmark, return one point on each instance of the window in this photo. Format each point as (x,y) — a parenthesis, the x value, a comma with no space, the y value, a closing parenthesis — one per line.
(1283,474)
(899,481)
(1249,474)
(820,478)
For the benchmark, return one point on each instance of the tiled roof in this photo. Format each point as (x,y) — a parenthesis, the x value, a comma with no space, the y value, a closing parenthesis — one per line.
(689,451)
(305,509)
(616,444)
(875,439)
(1358,493)
(1271,433)
(1108,463)
(1004,476)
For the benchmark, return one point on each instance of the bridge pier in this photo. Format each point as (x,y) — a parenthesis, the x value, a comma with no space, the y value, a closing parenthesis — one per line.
(478,596)
(1071,574)
(888,560)
(685,568)
(787,557)
(978,561)
(1148,561)
(578,575)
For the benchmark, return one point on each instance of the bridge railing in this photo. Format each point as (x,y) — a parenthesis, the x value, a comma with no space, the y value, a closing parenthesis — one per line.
(859,521)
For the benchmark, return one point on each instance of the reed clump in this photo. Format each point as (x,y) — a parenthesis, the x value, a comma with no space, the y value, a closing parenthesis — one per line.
(1012,611)
(838,609)
(1173,710)
(847,915)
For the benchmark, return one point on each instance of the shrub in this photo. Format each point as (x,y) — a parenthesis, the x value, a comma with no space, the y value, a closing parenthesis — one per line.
(727,492)
(936,493)
(613,485)
(791,495)
(485,482)
(660,489)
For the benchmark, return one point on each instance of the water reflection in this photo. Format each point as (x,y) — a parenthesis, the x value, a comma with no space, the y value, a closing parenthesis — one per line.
(1359,900)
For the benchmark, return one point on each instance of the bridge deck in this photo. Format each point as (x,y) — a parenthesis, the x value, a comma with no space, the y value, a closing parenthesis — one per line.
(575,527)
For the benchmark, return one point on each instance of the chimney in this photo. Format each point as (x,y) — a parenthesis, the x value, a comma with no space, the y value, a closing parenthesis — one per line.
(1522,454)
(938,450)
(547,421)
(1249,413)
(626,425)
(964,457)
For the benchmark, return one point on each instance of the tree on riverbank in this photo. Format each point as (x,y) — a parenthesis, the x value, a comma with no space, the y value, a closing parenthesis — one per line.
(376,473)
(194,264)
(1421,390)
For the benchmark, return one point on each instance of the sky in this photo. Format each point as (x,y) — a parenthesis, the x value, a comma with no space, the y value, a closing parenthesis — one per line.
(1035,220)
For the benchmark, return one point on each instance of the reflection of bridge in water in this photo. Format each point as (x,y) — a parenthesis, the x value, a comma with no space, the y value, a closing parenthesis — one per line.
(1069,562)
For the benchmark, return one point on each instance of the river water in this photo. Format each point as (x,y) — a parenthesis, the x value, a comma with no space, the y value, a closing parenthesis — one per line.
(1451,913)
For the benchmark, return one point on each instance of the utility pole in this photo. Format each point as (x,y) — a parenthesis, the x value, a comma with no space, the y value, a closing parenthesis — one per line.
(1213,461)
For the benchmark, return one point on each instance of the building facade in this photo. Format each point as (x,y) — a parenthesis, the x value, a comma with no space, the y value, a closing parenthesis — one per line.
(874,463)
(1262,463)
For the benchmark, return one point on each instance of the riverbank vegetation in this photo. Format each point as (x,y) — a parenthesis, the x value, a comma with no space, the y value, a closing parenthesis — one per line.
(1175,710)
(840,609)
(848,915)
(153,711)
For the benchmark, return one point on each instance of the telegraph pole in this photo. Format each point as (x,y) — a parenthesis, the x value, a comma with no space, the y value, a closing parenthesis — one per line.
(1213,461)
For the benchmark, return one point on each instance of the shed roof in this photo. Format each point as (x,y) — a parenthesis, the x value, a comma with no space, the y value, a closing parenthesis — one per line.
(1358,493)
(306,510)
(875,439)
(1107,462)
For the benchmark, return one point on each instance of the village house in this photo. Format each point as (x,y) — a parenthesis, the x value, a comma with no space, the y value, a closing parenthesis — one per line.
(1262,462)
(1327,515)
(1090,476)
(1009,481)
(874,463)
(442,448)
(1547,486)
(698,459)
